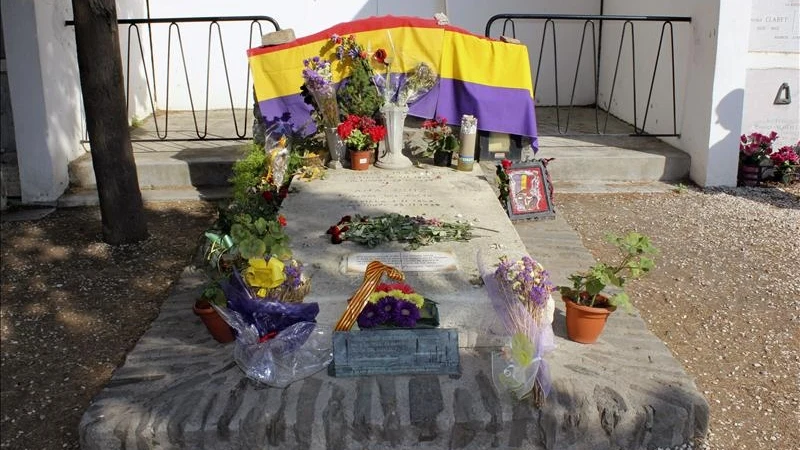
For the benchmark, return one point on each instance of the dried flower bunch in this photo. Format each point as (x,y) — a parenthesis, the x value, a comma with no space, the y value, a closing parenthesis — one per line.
(526,281)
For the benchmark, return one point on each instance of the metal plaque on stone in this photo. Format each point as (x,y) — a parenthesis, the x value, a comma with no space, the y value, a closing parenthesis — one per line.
(395,352)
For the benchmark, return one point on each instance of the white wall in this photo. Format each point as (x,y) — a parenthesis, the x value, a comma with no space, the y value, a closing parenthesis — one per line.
(310,16)
(710,72)
(773,59)
(45,94)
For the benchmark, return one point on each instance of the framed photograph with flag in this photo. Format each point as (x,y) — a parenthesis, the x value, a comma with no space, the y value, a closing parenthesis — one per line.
(529,191)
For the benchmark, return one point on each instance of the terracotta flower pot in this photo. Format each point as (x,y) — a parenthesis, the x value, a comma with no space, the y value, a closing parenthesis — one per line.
(216,325)
(584,323)
(360,160)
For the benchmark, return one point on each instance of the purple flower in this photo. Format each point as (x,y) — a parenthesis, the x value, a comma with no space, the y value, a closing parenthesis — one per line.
(406,314)
(371,316)
(387,305)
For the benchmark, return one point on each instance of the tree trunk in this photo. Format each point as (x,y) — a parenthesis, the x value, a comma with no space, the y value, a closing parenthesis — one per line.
(100,64)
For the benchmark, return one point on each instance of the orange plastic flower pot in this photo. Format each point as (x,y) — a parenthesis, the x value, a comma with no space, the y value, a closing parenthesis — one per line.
(584,323)
(360,160)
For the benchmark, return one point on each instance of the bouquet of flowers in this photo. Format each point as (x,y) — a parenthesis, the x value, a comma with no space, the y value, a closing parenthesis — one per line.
(357,95)
(520,292)
(405,87)
(318,81)
(397,305)
(786,162)
(274,279)
(756,147)
(360,132)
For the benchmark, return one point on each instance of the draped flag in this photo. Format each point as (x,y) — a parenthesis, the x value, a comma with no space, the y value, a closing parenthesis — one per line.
(478,76)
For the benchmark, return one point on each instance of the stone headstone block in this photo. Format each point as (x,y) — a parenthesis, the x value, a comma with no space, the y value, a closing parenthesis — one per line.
(395,352)
(278,37)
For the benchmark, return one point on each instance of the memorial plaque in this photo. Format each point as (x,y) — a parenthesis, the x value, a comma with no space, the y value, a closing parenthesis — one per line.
(404,261)
(395,352)
(775,26)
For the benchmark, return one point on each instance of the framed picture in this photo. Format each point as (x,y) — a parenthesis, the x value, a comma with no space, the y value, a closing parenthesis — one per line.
(529,192)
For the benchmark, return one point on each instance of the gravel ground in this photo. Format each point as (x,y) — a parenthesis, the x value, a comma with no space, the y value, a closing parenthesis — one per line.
(725,297)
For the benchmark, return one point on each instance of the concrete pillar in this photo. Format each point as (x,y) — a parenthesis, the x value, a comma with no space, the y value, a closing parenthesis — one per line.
(45,94)
(715,90)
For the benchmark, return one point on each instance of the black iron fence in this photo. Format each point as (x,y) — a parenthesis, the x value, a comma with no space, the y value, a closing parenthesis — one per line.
(593,29)
(160,115)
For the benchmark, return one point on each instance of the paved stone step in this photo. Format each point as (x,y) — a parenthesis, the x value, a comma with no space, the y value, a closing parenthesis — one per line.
(170,165)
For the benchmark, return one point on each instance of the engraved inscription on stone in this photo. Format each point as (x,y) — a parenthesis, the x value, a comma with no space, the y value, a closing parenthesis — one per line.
(404,261)
(775,26)
(394,198)
(395,352)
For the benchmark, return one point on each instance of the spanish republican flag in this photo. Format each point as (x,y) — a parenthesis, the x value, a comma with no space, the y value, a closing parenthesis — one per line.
(488,79)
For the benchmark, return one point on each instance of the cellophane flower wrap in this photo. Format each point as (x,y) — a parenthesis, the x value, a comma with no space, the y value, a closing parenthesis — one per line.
(318,80)
(520,293)
(276,343)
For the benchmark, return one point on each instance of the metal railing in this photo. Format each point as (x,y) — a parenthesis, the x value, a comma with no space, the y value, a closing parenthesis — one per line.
(589,21)
(174,31)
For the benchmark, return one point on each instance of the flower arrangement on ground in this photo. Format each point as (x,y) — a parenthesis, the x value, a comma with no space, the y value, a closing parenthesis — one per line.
(520,292)
(503,181)
(397,305)
(438,136)
(756,148)
(415,231)
(360,133)
(275,279)
(786,162)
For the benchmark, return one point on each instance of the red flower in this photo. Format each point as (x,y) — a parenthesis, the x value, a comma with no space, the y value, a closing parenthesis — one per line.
(283,192)
(344,129)
(377,133)
(506,164)
(380,56)
(282,220)
(335,239)
(344,219)
(267,195)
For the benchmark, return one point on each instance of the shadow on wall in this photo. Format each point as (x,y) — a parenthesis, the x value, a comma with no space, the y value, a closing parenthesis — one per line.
(729,117)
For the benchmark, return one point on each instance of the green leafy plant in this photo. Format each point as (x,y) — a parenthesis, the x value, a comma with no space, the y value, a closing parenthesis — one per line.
(213,294)
(634,263)
(358,94)
(259,237)
(414,231)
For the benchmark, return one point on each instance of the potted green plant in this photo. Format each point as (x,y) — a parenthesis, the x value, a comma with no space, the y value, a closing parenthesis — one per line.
(754,157)
(441,141)
(587,301)
(219,329)
(786,162)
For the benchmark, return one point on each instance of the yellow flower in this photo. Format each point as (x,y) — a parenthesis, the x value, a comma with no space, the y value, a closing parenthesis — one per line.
(264,275)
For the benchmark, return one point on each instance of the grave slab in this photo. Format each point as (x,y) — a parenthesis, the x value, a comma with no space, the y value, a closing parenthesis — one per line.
(178,388)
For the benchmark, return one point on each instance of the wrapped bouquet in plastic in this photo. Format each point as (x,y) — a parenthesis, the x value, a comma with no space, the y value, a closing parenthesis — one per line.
(277,343)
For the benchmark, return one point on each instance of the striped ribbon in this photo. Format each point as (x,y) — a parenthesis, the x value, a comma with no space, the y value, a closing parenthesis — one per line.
(372,277)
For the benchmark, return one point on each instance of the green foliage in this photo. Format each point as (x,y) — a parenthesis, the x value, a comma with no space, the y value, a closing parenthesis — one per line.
(247,173)
(358,95)
(634,263)
(213,293)
(257,238)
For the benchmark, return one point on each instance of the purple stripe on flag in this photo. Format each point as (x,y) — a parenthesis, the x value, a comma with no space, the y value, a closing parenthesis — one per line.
(502,110)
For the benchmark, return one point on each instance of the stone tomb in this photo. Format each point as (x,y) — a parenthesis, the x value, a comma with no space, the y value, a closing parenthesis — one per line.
(178,388)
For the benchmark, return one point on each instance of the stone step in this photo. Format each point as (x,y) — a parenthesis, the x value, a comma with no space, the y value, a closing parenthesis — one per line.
(169,165)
